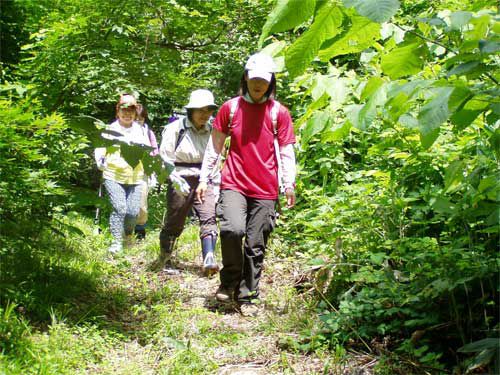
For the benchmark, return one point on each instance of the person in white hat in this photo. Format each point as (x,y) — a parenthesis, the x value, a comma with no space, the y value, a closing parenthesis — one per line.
(183,144)
(123,182)
(262,139)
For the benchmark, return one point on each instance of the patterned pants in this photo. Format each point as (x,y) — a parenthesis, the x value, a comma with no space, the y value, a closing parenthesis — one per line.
(126,200)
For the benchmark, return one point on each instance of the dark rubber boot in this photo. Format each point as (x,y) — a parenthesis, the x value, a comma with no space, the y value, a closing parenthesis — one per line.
(210,266)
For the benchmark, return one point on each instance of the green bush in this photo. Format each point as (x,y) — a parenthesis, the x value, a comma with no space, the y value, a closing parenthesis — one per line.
(39,158)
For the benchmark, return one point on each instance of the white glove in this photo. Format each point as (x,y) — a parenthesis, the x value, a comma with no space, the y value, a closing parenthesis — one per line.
(101,164)
(180,184)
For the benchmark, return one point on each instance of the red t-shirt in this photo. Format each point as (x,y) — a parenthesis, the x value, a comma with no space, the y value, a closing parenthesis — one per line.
(251,167)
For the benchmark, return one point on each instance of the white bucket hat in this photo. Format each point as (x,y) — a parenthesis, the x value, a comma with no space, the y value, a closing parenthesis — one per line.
(260,65)
(201,98)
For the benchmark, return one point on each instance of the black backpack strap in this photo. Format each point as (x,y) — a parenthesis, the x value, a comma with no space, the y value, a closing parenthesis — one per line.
(182,132)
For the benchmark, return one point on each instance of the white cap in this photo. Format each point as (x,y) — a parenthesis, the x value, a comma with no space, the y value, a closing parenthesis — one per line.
(126,101)
(260,65)
(201,98)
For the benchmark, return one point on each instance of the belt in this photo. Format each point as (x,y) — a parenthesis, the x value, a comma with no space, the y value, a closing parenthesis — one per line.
(188,165)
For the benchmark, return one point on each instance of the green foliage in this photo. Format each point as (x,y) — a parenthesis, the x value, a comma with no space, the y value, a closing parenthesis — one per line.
(286,15)
(489,350)
(326,25)
(376,10)
(85,55)
(75,309)
(361,34)
(13,331)
(399,177)
(404,60)
(38,162)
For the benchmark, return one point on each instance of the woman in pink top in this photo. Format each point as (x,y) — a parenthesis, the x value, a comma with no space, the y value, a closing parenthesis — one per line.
(249,186)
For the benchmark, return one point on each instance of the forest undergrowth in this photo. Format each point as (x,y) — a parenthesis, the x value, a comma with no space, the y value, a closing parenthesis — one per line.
(78,310)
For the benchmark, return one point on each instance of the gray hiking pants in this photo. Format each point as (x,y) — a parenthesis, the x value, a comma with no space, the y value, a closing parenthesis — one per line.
(126,200)
(245,226)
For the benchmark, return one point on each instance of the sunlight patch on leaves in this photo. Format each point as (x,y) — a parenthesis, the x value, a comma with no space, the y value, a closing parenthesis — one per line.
(376,10)
(362,34)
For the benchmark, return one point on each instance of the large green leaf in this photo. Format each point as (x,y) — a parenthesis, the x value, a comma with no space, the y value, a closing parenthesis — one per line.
(469,112)
(433,114)
(397,106)
(313,107)
(405,60)
(337,132)
(453,176)
(443,205)
(132,153)
(286,15)
(477,346)
(470,69)
(408,121)
(459,19)
(326,25)
(371,86)
(376,10)
(368,112)
(86,123)
(361,34)
(315,125)
(352,114)
(479,29)
(489,46)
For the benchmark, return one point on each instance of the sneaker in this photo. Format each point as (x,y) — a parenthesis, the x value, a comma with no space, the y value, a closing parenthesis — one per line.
(170,269)
(223,294)
(140,234)
(115,248)
(249,309)
(167,265)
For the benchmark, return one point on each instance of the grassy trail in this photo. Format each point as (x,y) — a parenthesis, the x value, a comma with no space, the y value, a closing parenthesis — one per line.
(177,326)
(87,312)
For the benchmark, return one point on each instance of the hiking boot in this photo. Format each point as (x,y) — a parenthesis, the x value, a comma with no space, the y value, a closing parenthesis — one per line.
(224,294)
(164,261)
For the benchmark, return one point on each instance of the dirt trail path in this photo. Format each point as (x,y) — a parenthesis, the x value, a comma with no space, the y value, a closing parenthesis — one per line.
(185,317)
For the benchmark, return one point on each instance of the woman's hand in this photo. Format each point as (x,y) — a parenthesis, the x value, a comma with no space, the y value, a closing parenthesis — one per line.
(200,191)
(290,197)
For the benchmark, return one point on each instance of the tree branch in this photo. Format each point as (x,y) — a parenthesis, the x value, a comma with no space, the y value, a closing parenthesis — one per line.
(427,39)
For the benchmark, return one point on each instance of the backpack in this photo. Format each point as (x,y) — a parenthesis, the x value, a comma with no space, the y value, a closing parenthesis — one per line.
(274,118)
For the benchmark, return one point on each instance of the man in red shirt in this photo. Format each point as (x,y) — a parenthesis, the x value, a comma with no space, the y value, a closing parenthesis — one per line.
(261,142)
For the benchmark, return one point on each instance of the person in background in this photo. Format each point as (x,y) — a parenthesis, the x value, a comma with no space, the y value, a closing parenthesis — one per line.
(183,144)
(149,181)
(122,182)
(249,187)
